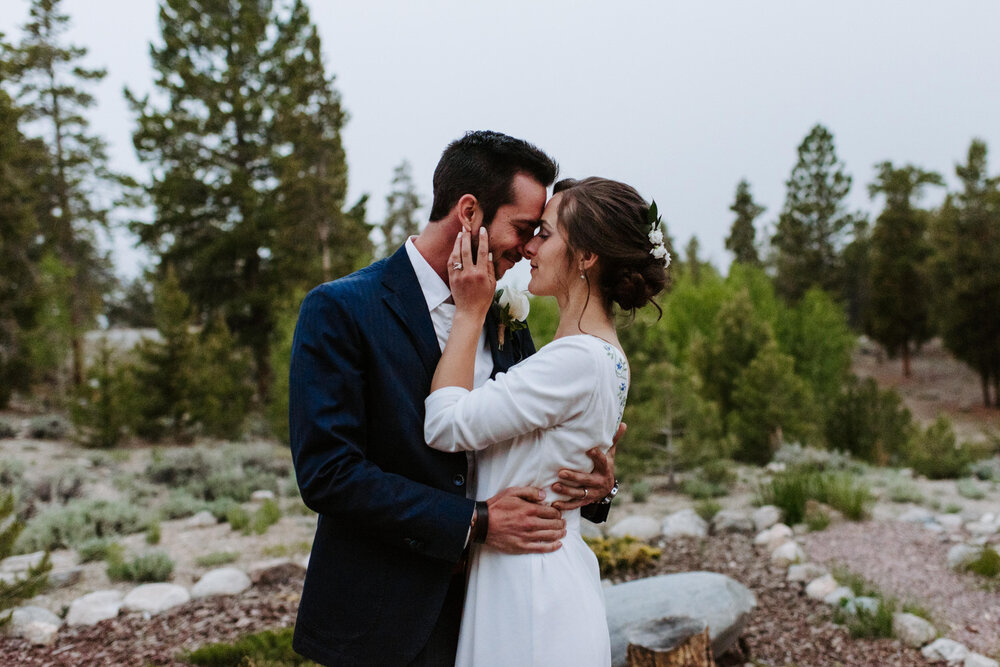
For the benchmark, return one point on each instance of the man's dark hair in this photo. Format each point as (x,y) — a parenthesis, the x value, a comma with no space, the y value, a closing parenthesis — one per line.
(484,164)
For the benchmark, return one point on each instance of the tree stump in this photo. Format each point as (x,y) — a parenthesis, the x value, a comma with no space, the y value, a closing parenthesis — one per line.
(674,641)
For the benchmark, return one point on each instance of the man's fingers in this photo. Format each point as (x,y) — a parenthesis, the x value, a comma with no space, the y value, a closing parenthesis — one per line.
(578,480)
(529,493)
(599,459)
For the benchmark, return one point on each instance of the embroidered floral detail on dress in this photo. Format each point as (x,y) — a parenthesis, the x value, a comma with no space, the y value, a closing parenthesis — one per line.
(621,372)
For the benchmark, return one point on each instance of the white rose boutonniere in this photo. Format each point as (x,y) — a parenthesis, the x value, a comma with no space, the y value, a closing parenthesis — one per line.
(514,306)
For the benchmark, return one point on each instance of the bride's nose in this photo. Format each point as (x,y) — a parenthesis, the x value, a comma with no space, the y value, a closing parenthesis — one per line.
(529,249)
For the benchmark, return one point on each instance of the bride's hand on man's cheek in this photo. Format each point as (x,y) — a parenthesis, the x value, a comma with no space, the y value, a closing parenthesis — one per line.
(471,277)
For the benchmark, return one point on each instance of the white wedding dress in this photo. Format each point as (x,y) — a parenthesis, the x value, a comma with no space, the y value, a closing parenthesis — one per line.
(525,425)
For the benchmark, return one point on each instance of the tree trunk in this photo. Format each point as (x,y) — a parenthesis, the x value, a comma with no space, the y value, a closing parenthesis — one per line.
(670,642)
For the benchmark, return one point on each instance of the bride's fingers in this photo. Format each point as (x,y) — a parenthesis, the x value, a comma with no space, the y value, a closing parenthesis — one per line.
(456,254)
(467,251)
(484,248)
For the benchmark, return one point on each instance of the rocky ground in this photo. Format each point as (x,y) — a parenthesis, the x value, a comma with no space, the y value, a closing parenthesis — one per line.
(905,559)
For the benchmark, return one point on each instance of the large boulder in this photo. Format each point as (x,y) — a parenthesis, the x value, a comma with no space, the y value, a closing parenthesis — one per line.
(155,598)
(912,630)
(644,528)
(222,581)
(720,602)
(94,607)
(685,523)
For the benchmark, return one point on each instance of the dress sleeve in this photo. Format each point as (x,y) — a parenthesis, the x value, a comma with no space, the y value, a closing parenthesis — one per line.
(545,390)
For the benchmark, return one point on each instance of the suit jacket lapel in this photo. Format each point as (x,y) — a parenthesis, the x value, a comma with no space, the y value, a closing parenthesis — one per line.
(406,300)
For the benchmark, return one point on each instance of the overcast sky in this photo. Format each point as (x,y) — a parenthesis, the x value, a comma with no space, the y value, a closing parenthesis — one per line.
(680,99)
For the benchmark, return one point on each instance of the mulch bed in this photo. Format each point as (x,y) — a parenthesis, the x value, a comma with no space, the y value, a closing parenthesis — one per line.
(786,629)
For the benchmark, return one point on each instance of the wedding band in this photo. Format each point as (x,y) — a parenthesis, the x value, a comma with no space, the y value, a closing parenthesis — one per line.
(585,492)
(457,266)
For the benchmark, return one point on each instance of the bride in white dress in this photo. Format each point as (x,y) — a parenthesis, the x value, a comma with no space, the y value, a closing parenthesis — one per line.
(597,246)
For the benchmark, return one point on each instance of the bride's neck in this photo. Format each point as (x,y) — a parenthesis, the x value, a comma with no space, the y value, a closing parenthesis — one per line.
(579,314)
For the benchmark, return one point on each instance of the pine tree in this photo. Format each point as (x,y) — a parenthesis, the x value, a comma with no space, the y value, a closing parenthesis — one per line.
(249,172)
(51,87)
(965,235)
(19,251)
(741,241)
(13,591)
(401,205)
(813,226)
(900,301)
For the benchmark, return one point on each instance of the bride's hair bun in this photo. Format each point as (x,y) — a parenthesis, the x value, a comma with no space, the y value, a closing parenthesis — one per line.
(611,220)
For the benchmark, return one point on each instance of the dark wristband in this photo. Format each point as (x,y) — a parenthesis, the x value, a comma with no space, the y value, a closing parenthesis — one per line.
(482,522)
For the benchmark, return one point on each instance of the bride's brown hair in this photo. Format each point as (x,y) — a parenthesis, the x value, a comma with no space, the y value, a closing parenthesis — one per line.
(610,220)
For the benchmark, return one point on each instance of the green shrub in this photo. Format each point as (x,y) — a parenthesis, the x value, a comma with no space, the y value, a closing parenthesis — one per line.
(622,554)
(264,517)
(60,486)
(13,592)
(865,624)
(151,567)
(987,469)
(153,533)
(7,429)
(217,558)
(707,509)
(50,427)
(94,549)
(905,492)
(791,490)
(870,423)
(220,508)
(987,564)
(699,489)
(816,517)
(270,647)
(967,488)
(229,472)
(935,454)
(718,471)
(181,504)
(238,518)
(98,411)
(80,520)
(640,491)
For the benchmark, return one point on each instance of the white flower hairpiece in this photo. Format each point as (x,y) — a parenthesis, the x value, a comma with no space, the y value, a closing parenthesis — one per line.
(659,251)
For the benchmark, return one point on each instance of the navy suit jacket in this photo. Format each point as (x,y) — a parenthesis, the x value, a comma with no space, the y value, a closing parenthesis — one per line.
(393,513)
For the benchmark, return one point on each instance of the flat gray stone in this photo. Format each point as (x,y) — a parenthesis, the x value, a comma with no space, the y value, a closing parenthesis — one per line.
(714,599)
(912,630)
(685,523)
(765,517)
(94,608)
(950,521)
(916,515)
(948,650)
(64,578)
(773,537)
(222,581)
(22,563)
(40,634)
(29,620)
(155,598)
(262,495)
(979,660)
(731,521)
(644,528)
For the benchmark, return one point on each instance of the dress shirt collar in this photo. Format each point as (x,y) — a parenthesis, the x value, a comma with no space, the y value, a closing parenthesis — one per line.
(434,289)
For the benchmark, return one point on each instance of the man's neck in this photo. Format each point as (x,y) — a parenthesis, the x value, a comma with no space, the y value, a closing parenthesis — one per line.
(435,244)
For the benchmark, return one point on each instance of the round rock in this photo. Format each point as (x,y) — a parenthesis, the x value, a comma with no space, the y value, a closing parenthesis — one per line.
(155,598)
(222,581)
(765,517)
(731,521)
(643,528)
(947,650)
(819,588)
(94,608)
(912,630)
(787,554)
(685,523)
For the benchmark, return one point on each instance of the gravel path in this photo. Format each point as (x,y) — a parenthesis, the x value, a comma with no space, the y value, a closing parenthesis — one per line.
(910,563)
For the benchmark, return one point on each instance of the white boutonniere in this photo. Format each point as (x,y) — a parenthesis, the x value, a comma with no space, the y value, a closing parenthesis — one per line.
(513,306)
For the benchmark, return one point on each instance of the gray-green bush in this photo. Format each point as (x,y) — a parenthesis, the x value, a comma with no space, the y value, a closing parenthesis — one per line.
(78,521)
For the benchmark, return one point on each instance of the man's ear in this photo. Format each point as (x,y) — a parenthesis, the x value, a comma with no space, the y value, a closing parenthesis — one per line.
(469,214)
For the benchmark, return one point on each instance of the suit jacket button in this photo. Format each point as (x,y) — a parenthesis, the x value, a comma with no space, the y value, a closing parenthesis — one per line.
(458,480)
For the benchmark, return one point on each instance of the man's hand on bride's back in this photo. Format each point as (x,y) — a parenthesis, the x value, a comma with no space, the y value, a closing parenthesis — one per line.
(472,285)
(520,524)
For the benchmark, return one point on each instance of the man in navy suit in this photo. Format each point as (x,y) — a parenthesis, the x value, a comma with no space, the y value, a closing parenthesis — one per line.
(385,581)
